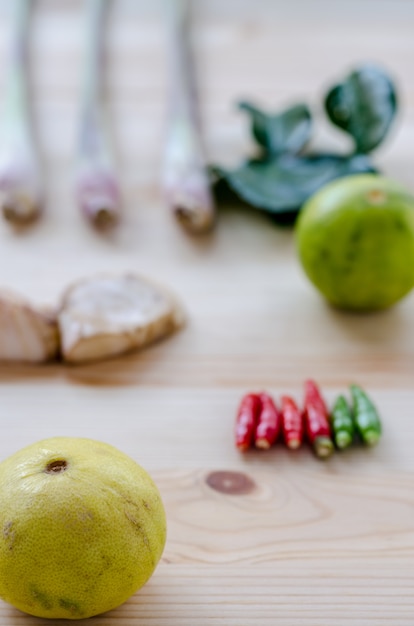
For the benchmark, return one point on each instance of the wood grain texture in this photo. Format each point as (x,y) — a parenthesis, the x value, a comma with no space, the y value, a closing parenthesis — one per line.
(313,543)
(358,592)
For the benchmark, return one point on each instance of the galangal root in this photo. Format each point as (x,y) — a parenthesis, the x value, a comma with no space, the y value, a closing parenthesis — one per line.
(97,318)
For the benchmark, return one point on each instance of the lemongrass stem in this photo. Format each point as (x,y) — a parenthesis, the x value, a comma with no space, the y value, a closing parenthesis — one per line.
(97,187)
(20,178)
(185,177)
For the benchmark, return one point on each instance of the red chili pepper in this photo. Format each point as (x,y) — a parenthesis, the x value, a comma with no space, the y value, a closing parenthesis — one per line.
(317,421)
(246,421)
(292,423)
(269,423)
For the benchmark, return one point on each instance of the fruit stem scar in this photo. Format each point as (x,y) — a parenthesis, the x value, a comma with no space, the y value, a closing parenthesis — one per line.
(57,466)
(377,196)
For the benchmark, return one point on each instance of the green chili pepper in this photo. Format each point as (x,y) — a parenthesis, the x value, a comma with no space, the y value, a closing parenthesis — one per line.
(366,416)
(342,422)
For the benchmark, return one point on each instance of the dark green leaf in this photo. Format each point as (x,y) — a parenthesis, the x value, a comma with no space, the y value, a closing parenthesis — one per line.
(281,186)
(288,131)
(364,105)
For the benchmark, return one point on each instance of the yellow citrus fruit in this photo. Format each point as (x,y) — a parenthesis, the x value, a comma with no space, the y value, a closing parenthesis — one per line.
(355,239)
(82,527)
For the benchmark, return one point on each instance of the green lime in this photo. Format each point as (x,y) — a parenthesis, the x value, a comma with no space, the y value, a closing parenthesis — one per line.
(355,239)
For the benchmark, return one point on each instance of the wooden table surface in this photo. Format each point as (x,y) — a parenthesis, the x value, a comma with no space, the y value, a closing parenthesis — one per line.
(309,543)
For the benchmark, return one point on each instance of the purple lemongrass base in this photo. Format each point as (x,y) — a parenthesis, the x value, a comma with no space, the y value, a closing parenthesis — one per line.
(19,208)
(99,199)
(191,202)
(20,200)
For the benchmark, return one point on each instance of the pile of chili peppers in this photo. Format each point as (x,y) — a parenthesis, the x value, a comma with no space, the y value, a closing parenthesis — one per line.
(261,423)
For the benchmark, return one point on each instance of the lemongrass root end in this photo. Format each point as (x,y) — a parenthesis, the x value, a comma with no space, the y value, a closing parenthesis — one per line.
(99,199)
(192,208)
(19,208)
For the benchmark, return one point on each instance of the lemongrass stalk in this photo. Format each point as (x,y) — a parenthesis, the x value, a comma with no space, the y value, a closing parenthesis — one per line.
(185,178)
(20,177)
(97,187)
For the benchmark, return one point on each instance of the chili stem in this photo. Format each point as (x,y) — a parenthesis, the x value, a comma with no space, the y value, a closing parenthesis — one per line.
(185,177)
(20,179)
(323,447)
(96,183)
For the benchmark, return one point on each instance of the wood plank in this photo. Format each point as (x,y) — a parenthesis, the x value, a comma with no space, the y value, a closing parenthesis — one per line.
(315,545)
(302,594)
